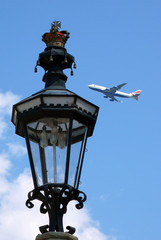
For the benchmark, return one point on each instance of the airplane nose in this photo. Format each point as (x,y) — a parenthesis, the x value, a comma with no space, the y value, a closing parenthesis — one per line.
(90,86)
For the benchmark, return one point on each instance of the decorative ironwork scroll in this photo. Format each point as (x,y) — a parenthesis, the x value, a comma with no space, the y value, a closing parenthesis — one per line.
(54,202)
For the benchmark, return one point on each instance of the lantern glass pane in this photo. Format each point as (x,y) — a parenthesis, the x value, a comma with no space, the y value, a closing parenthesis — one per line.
(36,159)
(48,140)
(77,148)
(55,163)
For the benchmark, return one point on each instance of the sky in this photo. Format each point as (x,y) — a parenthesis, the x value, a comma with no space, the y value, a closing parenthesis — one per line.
(113,42)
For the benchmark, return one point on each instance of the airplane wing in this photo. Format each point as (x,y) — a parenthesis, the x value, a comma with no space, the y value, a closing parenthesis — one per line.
(114,89)
(113,99)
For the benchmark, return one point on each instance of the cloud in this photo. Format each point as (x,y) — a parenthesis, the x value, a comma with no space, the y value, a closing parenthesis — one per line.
(86,227)
(4,164)
(3,127)
(17,149)
(21,222)
(6,101)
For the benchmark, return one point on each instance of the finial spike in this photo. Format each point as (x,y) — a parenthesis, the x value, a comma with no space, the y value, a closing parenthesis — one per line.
(55,26)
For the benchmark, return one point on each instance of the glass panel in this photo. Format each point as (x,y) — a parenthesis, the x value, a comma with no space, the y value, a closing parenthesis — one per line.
(74,157)
(55,161)
(37,163)
(77,148)
(48,140)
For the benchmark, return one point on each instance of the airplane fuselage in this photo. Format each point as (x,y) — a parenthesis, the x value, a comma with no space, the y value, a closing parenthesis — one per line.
(106,91)
(112,92)
(122,94)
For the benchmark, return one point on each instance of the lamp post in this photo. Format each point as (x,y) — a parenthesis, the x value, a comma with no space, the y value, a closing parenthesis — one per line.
(56,124)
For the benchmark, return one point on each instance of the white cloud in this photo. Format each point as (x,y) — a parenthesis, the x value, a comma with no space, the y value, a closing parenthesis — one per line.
(4,164)
(86,227)
(6,101)
(22,222)
(3,127)
(17,149)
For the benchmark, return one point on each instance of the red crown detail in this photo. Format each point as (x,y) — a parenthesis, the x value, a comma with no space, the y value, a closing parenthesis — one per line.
(55,37)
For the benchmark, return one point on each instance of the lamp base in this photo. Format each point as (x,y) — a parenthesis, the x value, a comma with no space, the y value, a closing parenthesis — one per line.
(55,236)
(55,199)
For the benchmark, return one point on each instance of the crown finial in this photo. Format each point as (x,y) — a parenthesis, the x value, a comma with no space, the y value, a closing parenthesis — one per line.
(55,37)
(55,26)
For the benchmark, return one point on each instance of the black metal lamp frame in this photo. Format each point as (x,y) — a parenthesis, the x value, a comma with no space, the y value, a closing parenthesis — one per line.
(55,198)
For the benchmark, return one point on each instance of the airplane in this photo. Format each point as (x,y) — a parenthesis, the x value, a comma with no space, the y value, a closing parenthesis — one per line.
(113,92)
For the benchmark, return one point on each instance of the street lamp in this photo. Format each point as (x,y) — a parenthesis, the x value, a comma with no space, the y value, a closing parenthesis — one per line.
(56,124)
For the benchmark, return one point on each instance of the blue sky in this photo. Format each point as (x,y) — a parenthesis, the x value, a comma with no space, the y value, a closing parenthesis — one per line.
(113,42)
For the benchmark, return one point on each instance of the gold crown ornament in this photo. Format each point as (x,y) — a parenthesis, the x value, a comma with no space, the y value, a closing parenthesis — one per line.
(55,37)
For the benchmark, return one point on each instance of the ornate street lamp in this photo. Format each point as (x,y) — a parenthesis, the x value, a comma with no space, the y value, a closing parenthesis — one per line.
(56,124)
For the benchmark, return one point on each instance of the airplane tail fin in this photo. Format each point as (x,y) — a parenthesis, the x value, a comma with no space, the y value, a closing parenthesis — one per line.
(136,94)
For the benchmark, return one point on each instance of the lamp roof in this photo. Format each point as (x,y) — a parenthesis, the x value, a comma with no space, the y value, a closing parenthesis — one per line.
(54,103)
